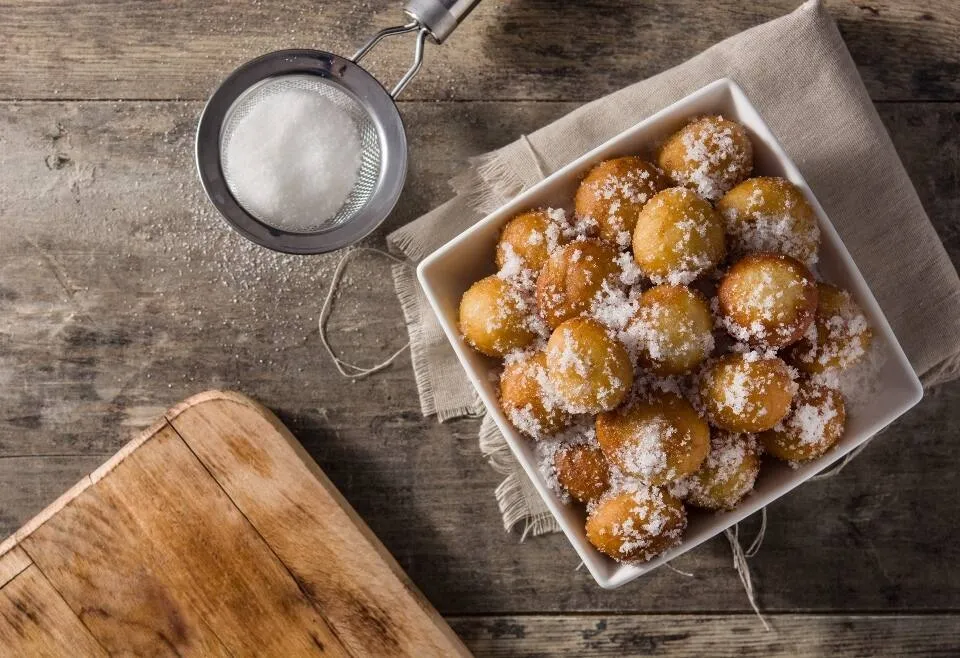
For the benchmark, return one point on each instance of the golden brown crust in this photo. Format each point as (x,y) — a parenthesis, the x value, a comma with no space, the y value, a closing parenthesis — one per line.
(527,399)
(495,317)
(728,473)
(768,213)
(746,393)
(612,194)
(656,438)
(528,237)
(636,525)
(768,299)
(582,471)
(816,422)
(709,155)
(590,370)
(678,237)
(673,329)
(840,335)
(572,277)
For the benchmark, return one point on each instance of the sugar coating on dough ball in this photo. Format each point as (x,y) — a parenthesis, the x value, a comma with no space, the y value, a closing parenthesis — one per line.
(748,392)
(672,329)
(770,214)
(590,369)
(527,396)
(582,471)
(636,523)
(678,237)
(726,476)
(572,278)
(527,241)
(612,194)
(709,155)
(816,422)
(839,336)
(767,299)
(496,317)
(657,437)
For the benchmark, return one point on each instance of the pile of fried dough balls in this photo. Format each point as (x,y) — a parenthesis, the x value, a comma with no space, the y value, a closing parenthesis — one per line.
(662,336)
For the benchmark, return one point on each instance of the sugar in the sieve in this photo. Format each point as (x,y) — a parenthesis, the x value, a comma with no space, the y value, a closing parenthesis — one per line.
(292,159)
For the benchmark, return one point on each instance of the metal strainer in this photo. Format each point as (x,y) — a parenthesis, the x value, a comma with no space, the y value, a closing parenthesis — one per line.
(343,82)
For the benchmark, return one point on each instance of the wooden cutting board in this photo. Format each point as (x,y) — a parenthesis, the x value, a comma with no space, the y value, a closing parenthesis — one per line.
(214,534)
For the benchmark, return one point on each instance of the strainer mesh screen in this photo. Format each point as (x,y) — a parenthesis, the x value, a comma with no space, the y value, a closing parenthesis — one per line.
(368,174)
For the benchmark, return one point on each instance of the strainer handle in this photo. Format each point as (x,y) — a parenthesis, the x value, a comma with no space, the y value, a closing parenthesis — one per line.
(440,17)
(431,18)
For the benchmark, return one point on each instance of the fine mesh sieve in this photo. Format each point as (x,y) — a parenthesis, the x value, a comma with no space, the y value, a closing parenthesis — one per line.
(368,173)
(358,95)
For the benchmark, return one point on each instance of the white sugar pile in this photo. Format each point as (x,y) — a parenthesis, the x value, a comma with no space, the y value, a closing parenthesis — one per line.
(293,159)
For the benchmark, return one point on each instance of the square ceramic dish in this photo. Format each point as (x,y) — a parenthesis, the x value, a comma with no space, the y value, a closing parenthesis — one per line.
(447,273)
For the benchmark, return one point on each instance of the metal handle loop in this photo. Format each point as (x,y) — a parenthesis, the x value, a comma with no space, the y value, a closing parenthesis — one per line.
(422,34)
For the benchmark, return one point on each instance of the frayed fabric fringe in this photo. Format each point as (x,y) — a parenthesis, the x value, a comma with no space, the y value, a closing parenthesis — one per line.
(405,282)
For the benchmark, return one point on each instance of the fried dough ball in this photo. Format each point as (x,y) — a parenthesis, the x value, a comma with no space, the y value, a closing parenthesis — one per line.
(814,425)
(527,240)
(770,214)
(590,370)
(582,471)
(673,329)
(613,192)
(495,317)
(709,155)
(678,237)
(727,475)
(528,399)
(636,524)
(768,299)
(746,392)
(656,438)
(839,337)
(572,277)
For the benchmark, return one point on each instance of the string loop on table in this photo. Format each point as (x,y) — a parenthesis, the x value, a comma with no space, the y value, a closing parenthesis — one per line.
(345,368)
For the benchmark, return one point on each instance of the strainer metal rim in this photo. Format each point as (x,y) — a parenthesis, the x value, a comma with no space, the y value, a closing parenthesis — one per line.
(352,79)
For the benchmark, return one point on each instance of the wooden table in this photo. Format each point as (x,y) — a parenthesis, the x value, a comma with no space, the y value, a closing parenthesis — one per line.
(122,292)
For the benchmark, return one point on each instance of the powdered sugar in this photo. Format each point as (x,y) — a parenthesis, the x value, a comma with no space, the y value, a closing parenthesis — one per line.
(652,526)
(581,432)
(644,455)
(725,476)
(714,159)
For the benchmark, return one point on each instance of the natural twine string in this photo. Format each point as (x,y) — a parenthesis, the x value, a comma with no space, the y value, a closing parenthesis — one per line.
(740,562)
(741,556)
(345,368)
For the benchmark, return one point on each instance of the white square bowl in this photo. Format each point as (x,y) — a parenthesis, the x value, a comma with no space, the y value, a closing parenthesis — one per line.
(447,273)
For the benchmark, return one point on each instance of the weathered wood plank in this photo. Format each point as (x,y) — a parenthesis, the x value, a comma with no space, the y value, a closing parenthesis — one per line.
(98,329)
(35,621)
(536,49)
(343,568)
(137,558)
(719,636)
(95,330)
(12,563)
(29,484)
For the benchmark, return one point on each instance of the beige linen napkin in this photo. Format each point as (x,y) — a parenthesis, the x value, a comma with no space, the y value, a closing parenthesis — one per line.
(799,74)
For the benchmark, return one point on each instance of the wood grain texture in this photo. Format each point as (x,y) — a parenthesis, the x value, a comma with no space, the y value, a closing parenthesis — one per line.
(337,562)
(12,563)
(156,557)
(36,622)
(718,636)
(521,50)
(106,233)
